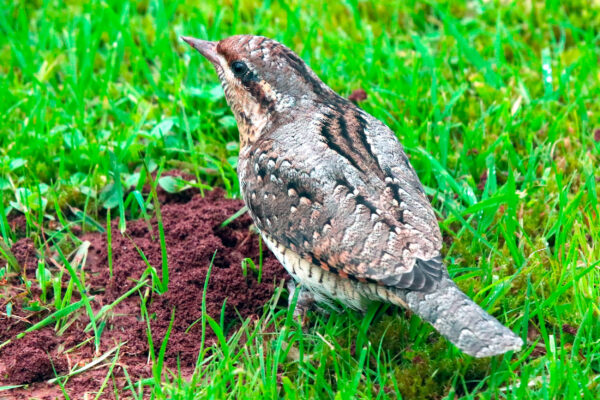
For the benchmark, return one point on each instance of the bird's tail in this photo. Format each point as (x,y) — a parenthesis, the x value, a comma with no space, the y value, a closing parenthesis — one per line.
(460,320)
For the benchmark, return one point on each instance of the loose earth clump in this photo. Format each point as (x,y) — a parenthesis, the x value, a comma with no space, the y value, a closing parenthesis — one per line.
(193,238)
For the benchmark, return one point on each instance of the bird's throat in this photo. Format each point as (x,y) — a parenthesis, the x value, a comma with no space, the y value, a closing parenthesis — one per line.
(251,124)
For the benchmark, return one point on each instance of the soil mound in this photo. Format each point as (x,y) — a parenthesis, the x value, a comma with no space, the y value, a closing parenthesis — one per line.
(193,238)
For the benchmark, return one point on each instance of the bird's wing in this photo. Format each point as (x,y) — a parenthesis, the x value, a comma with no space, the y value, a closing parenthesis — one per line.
(322,197)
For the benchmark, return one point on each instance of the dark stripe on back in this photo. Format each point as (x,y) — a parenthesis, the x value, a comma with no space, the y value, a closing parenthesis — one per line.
(351,138)
(344,131)
(331,142)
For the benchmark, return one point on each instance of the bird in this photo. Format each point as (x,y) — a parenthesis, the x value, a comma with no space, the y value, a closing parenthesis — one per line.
(335,198)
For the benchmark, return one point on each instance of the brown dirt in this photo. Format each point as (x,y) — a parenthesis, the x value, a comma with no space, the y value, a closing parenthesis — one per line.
(24,252)
(192,233)
(17,223)
(358,95)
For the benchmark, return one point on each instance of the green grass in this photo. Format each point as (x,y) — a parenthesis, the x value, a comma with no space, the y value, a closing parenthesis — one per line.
(497,106)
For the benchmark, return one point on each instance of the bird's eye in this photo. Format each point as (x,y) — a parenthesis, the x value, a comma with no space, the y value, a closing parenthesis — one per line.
(239,68)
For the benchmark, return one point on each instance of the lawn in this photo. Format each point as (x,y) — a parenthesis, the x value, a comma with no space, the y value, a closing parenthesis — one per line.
(496,103)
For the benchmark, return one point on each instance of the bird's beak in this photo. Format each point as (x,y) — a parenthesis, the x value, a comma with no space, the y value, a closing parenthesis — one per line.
(206,48)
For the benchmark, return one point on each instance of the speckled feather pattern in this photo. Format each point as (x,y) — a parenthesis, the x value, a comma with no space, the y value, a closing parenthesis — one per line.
(370,220)
(334,195)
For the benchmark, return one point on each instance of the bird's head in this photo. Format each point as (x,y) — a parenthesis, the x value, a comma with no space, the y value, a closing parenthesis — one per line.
(262,80)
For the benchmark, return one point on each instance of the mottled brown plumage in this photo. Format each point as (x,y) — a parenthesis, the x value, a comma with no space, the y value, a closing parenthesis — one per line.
(335,197)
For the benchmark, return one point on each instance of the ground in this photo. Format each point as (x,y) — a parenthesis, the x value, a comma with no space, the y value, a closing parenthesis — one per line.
(496,104)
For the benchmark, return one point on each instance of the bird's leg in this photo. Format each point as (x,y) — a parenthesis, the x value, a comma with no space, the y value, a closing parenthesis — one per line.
(307,301)
(304,303)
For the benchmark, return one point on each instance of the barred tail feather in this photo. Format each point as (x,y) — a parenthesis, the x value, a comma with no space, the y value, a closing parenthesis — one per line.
(461,321)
